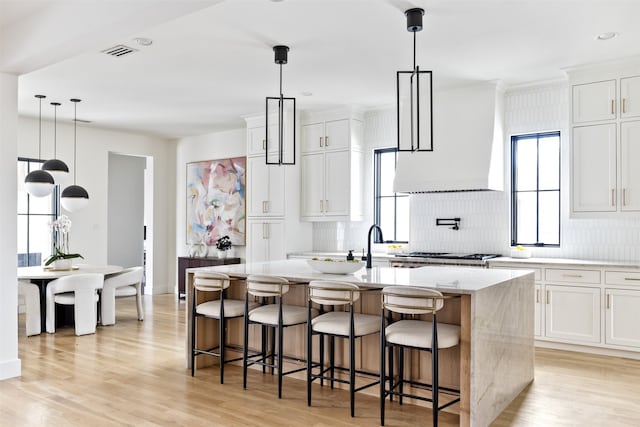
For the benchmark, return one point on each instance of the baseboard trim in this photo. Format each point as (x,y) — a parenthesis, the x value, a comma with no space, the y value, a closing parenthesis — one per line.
(10,369)
(588,349)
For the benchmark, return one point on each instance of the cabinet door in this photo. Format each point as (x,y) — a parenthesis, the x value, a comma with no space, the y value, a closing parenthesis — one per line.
(312,185)
(572,313)
(312,138)
(337,183)
(275,201)
(630,97)
(257,186)
(256,141)
(594,101)
(622,307)
(629,170)
(275,241)
(337,134)
(537,306)
(594,168)
(257,243)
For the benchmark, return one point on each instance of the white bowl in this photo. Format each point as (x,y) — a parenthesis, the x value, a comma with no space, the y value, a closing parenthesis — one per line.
(336,266)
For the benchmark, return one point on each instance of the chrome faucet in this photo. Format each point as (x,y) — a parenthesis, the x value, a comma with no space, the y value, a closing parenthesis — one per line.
(374,226)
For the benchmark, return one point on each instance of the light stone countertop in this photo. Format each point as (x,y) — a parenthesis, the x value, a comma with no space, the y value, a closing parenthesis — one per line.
(452,280)
(381,256)
(568,262)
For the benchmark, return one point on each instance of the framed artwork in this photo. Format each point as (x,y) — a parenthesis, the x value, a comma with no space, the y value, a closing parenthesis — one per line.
(216,200)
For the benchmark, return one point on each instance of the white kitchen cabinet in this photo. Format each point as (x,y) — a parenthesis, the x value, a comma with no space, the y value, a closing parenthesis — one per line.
(594,169)
(265,240)
(622,307)
(537,318)
(630,97)
(572,313)
(629,161)
(594,101)
(326,135)
(257,142)
(265,184)
(331,163)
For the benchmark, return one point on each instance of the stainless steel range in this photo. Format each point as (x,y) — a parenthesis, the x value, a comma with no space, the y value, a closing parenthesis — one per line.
(420,259)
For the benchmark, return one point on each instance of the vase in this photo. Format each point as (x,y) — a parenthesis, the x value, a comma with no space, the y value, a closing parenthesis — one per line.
(62,264)
(222,254)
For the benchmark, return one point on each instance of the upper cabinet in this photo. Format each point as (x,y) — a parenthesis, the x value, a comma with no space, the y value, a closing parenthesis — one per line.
(594,101)
(605,142)
(331,162)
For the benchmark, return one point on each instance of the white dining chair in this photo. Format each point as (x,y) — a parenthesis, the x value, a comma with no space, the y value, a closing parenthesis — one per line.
(31,295)
(79,290)
(127,283)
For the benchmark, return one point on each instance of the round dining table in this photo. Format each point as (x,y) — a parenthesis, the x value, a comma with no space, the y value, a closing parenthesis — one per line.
(41,276)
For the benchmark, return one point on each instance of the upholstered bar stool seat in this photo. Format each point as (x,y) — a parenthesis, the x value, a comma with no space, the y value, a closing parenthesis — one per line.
(268,314)
(338,323)
(232,308)
(418,333)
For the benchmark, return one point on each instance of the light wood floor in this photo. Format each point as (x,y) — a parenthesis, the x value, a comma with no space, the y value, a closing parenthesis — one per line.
(133,373)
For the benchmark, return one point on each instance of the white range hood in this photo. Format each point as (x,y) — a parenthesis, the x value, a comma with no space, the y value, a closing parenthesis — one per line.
(467,144)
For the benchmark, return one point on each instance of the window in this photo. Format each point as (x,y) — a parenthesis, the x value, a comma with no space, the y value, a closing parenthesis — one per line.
(34,216)
(535,189)
(391,210)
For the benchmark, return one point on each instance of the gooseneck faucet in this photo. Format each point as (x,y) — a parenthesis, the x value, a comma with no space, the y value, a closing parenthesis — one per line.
(373,227)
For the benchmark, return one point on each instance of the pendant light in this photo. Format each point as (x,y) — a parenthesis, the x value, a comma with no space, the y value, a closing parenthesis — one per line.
(57,168)
(74,197)
(280,121)
(39,183)
(414,98)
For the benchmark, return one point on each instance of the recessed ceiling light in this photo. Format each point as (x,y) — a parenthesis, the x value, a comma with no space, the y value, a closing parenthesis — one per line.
(607,36)
(142,41)
(306,93)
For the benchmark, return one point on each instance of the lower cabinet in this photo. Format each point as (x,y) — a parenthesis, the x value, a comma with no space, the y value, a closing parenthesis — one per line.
(265,240)
(622,307)
(572,313)
(537,318)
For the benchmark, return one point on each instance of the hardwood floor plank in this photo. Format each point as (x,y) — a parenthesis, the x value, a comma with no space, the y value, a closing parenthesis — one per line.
(132,373)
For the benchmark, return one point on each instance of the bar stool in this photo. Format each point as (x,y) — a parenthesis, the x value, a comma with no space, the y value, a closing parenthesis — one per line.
(275,316)
(414,334)
(341,324)
(220,309)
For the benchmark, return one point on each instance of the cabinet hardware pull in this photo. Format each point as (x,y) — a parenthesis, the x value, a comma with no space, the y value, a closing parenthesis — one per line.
(267,208)
(572,275)
(608,301)
(613,197)
(548,296)
(264,144)
(537,296)
(631,278)
(624,197)
(320,141)
(264,230)
(321,205)
(624,105)
(263,207)
(326,141)
(613,106)
(326,205)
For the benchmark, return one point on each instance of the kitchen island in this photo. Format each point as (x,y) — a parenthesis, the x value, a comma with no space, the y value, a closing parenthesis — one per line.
(491,366)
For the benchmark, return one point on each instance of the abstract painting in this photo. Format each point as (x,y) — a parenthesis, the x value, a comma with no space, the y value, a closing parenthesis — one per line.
(216,200)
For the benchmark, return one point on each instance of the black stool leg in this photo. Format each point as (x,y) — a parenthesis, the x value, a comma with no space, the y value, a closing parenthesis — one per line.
(401,373)
(245,349)
(383,349)
(193,334)
(391,370)
(221,324)
(309,356)
(263,348)
(332,358)
(321,337)
(280,333)
(272,331)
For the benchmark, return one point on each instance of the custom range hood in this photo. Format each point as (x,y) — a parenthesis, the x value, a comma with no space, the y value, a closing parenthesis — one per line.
(467,144)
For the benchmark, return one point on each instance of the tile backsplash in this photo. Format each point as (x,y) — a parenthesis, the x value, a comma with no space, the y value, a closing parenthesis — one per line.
(485,222)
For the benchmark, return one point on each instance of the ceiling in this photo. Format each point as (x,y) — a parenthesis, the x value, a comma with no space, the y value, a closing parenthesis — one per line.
(211,62)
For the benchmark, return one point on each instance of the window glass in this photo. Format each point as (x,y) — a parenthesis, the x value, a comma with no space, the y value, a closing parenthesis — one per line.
(391,210)
(535,187)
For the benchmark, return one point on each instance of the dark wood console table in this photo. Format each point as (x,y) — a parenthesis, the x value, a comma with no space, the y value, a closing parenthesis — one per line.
(189,262)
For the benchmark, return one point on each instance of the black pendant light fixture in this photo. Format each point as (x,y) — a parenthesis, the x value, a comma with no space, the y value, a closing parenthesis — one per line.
(39,183)
(57,168)
(280,121)
(414,98)
(74,197)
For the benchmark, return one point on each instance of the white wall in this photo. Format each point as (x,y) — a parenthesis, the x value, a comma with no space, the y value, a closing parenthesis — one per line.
(89,234)
(218,145)
(9,362)
(485,215)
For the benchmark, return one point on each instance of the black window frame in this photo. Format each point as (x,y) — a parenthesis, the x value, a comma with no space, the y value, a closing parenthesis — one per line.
(55,212)
(377,153)
(514,191)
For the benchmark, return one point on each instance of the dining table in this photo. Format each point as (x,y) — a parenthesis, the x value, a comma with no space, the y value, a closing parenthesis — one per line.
(41,276)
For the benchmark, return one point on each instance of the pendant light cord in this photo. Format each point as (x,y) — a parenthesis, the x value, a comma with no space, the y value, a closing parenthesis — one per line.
(40,131)
(75,140)
(55,130)
(414,50)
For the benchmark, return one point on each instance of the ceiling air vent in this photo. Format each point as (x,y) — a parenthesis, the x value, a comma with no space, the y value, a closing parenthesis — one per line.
(119,50)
